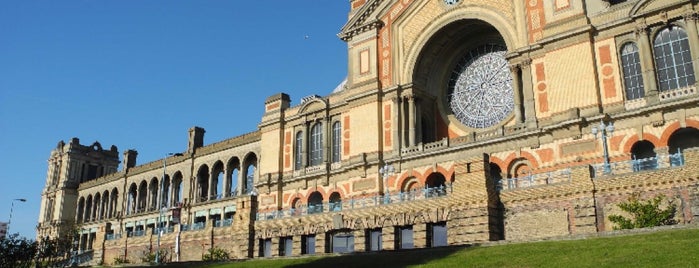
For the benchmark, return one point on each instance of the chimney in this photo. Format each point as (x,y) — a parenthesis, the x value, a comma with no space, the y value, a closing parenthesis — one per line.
(129,159)
(196,139)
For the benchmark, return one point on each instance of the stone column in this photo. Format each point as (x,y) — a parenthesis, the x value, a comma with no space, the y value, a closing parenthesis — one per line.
(420,235)
(411,120)
(647,68)
(396,124)
(419,138)
(517,89)
(528,93)
(388,237)
(690,18)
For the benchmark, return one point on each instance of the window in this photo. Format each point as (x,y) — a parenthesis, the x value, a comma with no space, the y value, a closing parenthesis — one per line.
(316,144)
(308,244)
(286,245)
(315,203)
(437,234)
(265,247)
(335,203)
(343,243)
(298,151)
(673,61)
(631,67)
(336,142)
(373,242)
(405,237)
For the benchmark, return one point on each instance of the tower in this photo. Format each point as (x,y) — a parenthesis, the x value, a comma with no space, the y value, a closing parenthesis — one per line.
(68,166)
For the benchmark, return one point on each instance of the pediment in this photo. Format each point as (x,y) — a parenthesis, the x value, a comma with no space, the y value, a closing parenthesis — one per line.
(313,105)
(366,18)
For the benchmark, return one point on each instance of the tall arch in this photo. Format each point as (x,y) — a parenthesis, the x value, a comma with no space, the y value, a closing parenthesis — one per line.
(153,194)
(233,176)
(114,197)
(249,172)
(683,138)
(203,183)
(177,190)
(315,203)
(217,180)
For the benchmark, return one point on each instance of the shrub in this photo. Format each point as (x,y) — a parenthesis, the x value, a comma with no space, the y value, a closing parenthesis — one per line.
(120,260)
(216,254)
(149,257)
(644,213)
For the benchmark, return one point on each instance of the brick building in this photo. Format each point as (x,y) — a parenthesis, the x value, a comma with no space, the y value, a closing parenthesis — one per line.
(461,121)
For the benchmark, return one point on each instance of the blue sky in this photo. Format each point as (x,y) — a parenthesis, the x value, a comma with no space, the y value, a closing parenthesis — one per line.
(139,74)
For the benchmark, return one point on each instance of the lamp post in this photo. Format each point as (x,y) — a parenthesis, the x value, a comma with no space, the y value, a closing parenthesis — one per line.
(12,206)
(605,131)
(386,171)
(160,205)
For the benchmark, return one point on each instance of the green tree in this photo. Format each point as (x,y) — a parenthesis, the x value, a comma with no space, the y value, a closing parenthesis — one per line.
(16,251)
(644,213)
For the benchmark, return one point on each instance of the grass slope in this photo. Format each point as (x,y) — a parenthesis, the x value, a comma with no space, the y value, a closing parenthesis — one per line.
(668,248)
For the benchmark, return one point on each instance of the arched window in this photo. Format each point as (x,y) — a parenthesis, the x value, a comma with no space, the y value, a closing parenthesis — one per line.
(203,183)
(673,61)
(643,155)
(631,67)
(153,194)
(250,163)
(316,144)
(298,151)
(176,189)
(335,203)
(142,197)
(315,203)
(81,209)
(232,177)
(336,142)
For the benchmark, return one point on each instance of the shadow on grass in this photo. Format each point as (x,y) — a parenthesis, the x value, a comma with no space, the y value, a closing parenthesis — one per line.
(384,259)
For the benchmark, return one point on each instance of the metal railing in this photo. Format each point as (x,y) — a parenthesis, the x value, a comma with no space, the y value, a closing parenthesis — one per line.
(354,203)
(659,161)
(112,236)
(533,180)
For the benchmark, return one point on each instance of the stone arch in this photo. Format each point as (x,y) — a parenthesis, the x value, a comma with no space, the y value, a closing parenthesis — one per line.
(665,137)
(409,184)
(631,141)
(153,194)
(202,183)
(335,201)
(132,199)
(491,17)
(177,189)
(249,172)
(97,206)
(217,180)
(315,202)
(445,48)
(233,176)
(519,167)
(410,174)
(682,139)
(113,199)
(435,179)
(80,211)
(142,196)
(88,209)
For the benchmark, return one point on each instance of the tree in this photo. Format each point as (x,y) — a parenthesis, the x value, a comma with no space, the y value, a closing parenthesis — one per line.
(644,213)
(16,251)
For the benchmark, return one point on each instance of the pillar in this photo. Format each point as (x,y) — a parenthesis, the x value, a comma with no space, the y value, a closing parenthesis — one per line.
(690,19)
(517,89)
(647,67)
(411,120)
(528,93)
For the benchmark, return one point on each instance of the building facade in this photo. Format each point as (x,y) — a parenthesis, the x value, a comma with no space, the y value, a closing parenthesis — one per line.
(460,122)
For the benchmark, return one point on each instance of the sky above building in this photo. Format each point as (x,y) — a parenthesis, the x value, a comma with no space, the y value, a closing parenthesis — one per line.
(139,74)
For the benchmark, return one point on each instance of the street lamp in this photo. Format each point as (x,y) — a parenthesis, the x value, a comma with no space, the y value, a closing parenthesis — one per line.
(160,206)
(386,171)
(11,208)
(605,131)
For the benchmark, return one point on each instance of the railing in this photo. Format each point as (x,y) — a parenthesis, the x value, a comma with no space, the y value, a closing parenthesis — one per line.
(185,227)
(112,236)
(660,161)
(198,226)
(558,176)
(138,233)
(227,222)
(355,203)
(76,259)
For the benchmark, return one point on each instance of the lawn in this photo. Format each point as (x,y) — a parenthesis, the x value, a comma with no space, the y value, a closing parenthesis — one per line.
(668,248)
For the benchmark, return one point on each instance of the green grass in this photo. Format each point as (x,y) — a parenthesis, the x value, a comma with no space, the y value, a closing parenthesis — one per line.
(669,248)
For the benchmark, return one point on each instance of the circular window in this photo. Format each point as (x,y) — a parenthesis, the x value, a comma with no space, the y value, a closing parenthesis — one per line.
(480,92)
